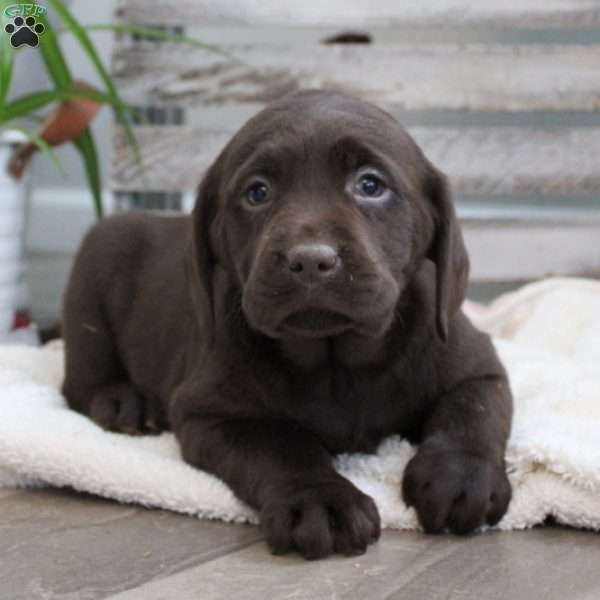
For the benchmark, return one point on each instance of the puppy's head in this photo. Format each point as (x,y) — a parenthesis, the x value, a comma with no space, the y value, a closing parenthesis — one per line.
(319,211)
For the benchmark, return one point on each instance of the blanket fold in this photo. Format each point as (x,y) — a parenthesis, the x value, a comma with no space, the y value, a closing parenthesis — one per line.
(547,335)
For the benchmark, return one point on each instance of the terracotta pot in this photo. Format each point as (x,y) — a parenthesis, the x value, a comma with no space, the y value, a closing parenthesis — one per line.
(63,124)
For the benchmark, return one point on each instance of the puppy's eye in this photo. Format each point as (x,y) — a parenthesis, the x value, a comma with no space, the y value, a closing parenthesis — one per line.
(369,186)
(258,194)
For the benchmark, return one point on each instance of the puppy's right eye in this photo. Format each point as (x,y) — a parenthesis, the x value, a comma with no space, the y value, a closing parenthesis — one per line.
(258,194)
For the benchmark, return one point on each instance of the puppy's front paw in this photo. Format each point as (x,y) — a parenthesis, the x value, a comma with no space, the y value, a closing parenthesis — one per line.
(451,489)
(319,518)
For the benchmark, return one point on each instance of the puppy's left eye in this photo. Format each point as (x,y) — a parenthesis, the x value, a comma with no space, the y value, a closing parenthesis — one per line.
(369,186)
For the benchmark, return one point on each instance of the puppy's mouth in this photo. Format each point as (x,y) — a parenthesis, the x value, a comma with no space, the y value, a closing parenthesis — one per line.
(314,322)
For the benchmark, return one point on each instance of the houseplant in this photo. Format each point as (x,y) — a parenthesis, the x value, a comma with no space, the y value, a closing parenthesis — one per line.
(73,106)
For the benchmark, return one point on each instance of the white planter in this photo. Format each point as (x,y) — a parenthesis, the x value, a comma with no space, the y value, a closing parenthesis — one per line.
(12,224)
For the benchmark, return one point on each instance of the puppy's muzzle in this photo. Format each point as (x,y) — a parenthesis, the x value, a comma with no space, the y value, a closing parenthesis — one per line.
(317,287)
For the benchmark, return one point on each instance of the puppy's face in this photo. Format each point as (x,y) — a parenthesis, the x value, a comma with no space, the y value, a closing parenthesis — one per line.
(320,215)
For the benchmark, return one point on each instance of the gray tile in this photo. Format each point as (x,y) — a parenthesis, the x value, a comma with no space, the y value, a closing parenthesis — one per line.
(62,545)
(67,546)
(6,493)
(550,563)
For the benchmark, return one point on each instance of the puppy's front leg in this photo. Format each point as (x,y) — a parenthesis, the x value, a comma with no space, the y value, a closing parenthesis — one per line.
(457,479)
(283,472)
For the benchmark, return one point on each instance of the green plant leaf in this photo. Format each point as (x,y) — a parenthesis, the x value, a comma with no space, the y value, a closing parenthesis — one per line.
(118,105)
(25,105)
(44,147)
(59,72)
(6,67)
(86,146)
(54,60)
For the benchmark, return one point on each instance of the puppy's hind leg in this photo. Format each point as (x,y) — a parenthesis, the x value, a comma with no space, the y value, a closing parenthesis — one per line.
(96,382)
(97,386)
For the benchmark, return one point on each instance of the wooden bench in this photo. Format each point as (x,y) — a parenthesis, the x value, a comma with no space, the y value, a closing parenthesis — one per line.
(503,95)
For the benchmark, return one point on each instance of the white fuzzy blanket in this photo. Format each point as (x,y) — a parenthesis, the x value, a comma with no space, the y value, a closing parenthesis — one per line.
(547,334)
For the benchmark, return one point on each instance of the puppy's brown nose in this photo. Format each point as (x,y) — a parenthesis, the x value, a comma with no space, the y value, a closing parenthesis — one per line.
(312,262)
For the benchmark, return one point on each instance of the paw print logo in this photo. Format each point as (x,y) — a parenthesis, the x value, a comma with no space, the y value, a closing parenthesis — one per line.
(24,31)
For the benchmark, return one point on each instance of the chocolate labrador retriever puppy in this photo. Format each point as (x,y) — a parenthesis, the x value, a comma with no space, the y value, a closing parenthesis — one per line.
(311,305)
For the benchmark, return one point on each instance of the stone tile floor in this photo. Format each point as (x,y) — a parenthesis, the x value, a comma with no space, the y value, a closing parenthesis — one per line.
(61,545)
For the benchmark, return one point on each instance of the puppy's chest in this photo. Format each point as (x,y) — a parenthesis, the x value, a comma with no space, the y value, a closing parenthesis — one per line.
(354,411)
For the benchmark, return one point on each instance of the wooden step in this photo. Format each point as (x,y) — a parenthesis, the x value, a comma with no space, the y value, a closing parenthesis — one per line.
(443,77)
(357,13)
(483,161)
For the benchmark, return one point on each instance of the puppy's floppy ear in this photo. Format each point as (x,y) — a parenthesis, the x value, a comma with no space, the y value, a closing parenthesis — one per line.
(447,251)
(200,261)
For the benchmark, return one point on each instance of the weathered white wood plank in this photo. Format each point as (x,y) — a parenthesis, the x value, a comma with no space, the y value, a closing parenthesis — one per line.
(473,77)
(516,160)
(357,13)
(480,161)
(309,36)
